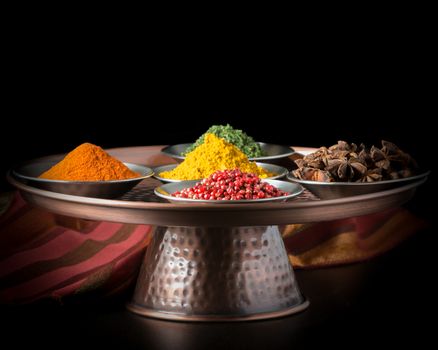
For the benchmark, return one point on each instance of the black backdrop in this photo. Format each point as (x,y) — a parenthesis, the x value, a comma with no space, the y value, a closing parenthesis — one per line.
(294,84)
(56,118)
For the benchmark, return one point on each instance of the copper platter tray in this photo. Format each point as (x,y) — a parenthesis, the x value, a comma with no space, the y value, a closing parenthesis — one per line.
(210,262)
(137,207)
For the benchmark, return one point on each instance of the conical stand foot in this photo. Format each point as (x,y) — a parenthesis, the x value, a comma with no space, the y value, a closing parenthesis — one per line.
(217,274)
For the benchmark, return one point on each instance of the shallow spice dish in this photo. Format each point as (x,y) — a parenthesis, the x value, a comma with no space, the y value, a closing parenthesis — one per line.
(334,190)
(272,152)
(28,173)
(166,190)
(279,171)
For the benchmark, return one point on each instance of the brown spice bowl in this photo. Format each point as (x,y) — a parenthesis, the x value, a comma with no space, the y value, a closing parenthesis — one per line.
(334,190)
(28,173)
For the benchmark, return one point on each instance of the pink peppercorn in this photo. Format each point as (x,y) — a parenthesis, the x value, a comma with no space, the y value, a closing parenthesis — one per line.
(230,185)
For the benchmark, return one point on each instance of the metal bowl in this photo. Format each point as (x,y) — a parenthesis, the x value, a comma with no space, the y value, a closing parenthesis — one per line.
(166,190)
(272,168)
(334,190)
(28,173)
(273,152)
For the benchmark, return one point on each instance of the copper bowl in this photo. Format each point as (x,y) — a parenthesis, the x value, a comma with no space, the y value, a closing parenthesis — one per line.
(166,190)
(334,190)
(272,152)
(28,173)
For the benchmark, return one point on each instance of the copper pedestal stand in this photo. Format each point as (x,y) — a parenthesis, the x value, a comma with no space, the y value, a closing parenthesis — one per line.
(217,274)
(210,262)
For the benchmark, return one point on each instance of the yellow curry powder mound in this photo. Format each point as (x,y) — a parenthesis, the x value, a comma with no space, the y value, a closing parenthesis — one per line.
(89,162)
(214,154)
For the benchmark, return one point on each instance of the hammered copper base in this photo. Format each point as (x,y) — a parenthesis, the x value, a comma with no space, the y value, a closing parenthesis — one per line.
(216,274)
(217,318)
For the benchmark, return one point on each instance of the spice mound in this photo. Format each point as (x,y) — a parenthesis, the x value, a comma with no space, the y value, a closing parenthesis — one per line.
(230,185)
(234,136)
(89,162)
(351,163)
(214,154)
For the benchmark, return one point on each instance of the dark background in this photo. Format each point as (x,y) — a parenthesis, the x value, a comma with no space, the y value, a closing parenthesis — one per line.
(310,84)
(64,111)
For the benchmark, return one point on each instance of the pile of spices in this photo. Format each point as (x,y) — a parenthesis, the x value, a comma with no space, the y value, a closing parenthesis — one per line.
(234,136)
(88,162)
(214,154)
(230,185)
(352,163)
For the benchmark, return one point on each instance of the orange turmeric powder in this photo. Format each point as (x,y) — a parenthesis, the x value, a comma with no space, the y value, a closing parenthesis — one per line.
(89,162)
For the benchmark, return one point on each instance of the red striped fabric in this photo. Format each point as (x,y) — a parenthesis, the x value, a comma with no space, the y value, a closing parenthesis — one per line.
(43,255)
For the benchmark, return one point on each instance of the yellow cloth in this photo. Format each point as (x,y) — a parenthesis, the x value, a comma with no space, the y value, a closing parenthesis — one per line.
(350,240)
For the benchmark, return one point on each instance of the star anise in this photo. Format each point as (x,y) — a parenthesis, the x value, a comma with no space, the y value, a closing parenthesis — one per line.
(316,163)
(343,150)
(365,156)
(397,157)
(300,162)
(390,149)
(371,175)
(313,174)
(380,158)
(348,162)
(346,169)
(343,146)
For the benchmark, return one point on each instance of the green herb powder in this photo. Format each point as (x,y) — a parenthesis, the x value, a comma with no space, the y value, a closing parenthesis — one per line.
(237,137)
